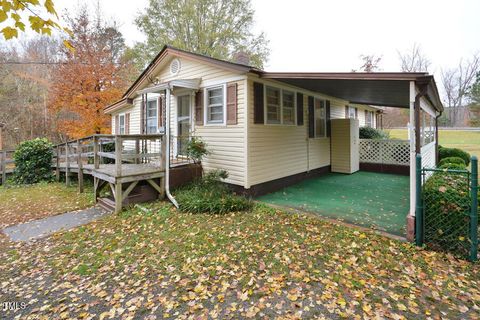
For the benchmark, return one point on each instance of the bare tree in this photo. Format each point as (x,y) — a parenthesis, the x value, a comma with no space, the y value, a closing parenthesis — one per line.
(414,60)
(370,63)
(457,82)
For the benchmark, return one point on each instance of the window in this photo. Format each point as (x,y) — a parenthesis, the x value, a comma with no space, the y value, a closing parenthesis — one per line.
(351,113)
(215,105)
(320,118)
(368,118)
(273,105)
(288,107)
(121,124)
(427,129)
(152,120)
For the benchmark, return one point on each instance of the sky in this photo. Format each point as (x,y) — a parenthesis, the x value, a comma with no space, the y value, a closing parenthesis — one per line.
(325,35)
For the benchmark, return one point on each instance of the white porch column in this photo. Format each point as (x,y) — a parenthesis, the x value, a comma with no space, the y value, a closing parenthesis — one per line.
(411,136)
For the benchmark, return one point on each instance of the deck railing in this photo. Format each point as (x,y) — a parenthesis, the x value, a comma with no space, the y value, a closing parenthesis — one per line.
(395,152)
(7,164)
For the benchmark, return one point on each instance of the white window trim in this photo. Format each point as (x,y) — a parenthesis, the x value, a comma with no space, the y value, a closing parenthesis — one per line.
(351,108)
(265,107)
(315,118)
(205,104)
(124,123)
(156,116)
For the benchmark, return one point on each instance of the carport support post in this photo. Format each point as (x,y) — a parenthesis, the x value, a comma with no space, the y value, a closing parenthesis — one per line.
(474,213)
(411,136)
(418,200)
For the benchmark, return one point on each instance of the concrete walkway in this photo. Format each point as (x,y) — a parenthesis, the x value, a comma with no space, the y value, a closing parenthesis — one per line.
(44,227)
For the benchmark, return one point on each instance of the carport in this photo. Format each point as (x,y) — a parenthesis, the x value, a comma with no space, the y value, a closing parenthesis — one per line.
(414,91)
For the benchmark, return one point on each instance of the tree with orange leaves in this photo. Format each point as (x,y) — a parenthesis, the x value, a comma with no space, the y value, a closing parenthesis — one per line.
(91,77)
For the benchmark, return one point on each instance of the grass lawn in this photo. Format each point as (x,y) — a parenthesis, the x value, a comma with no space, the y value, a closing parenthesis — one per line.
(160,263)
(466,140)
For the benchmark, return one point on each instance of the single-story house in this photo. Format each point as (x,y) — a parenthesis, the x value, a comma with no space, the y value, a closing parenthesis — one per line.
(269,129)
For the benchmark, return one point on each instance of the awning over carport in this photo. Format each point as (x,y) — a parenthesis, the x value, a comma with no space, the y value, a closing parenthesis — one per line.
(389,89)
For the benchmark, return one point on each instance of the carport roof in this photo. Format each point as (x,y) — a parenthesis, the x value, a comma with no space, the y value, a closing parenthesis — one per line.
(390,89)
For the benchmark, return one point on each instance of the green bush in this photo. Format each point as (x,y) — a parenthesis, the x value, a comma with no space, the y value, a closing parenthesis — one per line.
(447,205)
(452,160)
(453,152)
(33,162)
(210,195)
(372,133)
(453,166)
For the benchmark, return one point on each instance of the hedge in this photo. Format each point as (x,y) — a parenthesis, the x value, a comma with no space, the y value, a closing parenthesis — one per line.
(452,160)
(453,152)
(33,161)
(372,133)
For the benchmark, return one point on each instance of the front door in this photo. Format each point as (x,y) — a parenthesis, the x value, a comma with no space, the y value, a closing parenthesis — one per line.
(183,123)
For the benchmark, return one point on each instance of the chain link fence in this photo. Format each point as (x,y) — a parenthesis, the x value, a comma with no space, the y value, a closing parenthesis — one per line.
(447,210)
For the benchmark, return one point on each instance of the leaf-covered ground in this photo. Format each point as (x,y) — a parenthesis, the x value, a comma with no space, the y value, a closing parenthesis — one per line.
(20,204)
(263,264)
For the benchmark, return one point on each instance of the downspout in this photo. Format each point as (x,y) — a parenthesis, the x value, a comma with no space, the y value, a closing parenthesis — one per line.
(436,138)
(422,92)
(167,149)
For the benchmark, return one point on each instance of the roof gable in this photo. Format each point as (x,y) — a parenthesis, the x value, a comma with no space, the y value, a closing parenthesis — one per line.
(168,53)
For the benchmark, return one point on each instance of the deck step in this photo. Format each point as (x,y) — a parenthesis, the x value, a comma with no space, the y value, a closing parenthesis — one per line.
(106,204)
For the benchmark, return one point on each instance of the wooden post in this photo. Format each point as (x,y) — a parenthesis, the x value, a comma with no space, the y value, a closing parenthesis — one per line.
(163,164)
(57,163)
(118,156)
(96,162)
(67,166)
(3,167)
(118,197)
(137,150)
(80,166)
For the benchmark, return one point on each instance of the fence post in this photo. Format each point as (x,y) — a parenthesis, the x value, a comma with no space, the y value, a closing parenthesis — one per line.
(419,219)
(118,155)
(67,166)
(3,167)
(474,210)
(96,162)
(80,165)
(57,163)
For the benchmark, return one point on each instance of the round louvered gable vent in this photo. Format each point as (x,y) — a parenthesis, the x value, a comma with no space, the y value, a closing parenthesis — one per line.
(175,66)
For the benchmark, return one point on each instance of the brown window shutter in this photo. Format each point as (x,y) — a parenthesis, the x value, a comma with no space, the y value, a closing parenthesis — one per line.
(199,108)
(328,116)
(117,124)
(311,118)
(232,103)
(299,109)
(356,113)
(347,114)
(258,103)
(127,123)
(366,116)
(160,110)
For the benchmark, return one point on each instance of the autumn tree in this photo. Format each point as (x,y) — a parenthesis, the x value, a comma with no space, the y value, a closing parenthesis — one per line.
(90,77)
(25,73)
(215,28)
(474,95)
(457,82)
(42,18)
(413,60)
(369,63)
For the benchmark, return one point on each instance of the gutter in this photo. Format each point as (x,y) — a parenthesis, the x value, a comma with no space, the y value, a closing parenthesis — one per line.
(167,149)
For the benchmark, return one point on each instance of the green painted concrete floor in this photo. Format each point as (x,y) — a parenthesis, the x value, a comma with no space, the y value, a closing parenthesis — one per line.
(373,200)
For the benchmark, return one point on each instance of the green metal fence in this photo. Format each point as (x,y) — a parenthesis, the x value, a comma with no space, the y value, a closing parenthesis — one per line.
(447,209)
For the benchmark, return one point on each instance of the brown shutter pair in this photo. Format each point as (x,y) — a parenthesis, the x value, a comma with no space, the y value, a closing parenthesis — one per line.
(199,108)
(311,117)
(117,124)
(258,103)
(299,109)
(232,103)
(160,112)
(127,123)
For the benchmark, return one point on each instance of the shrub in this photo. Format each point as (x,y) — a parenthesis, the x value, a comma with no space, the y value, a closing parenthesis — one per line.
(453,152)
(447,207)
(453,166)
(210,195)
(196,149)
(455,160)
(33,162)
(372,133)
